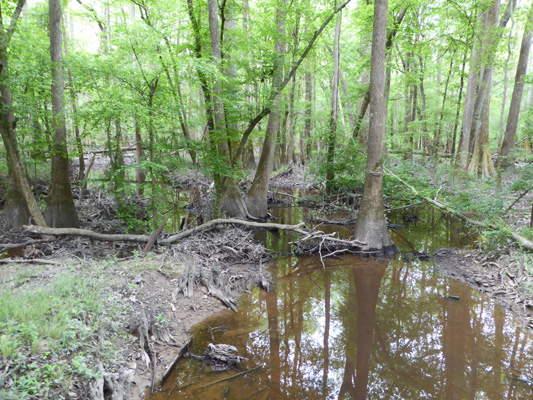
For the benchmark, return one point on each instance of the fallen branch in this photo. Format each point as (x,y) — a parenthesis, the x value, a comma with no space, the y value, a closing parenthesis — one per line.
(220,221)
(29,261)
(105,237)
(9,246)
(186,233)
(526,244)
(248,371)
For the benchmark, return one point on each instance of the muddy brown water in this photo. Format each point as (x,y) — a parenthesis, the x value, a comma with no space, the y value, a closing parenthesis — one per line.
(356,328)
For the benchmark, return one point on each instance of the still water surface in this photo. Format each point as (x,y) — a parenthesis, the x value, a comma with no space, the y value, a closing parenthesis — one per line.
(357,328)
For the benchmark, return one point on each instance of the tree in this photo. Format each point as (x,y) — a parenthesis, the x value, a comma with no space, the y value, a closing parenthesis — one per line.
(256,200)
(504,158)
(332,134)
(20,203)
(371,226)
(60,212)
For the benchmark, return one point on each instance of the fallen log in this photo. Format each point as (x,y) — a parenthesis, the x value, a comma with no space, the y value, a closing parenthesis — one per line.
(108,237)
(105,237)
(525,243)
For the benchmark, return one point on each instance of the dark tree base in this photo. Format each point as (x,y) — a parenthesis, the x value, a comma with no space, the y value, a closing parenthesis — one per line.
(62,216)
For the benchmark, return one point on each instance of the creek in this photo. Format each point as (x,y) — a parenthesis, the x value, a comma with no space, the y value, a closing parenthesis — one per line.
(349,327)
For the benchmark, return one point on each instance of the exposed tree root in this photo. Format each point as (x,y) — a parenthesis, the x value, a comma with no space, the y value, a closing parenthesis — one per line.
(526,244)
(112,386)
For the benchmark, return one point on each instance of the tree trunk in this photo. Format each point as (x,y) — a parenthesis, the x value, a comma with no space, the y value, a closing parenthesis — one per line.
(230,200)
(332,135)
(461,86)
(504,159)
(308,116)
(505,83)
(256,200)
(371,226)
(439,127)
(468,113)
(140,175)
(60,212)
(490,41)
(20,202)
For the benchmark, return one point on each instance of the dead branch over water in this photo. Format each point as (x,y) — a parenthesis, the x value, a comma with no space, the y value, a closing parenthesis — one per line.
(299,228)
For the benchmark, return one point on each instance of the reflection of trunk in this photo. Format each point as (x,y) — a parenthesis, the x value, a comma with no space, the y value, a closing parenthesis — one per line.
(454,347)
(60,212)
(327,315)
(496,393)
(273,334)
(367,281)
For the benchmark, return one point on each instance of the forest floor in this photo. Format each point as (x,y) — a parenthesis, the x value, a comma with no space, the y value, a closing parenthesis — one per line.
(132,311)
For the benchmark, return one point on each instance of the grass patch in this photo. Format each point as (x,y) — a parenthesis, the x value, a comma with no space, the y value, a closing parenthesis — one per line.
(50,336)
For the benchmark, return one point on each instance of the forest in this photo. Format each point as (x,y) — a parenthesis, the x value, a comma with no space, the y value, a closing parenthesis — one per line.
(160,158)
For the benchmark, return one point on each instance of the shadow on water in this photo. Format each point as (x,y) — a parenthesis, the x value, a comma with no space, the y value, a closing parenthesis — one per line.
(362,329)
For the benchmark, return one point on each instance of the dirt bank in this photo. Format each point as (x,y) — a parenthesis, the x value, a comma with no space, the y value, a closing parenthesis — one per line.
(508,279)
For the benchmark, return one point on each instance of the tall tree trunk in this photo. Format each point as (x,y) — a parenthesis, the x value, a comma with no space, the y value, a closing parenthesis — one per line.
(371,226)
(504,159)
(505,83)
(20,202)
(461,86)
(74,101)
(366,99)
(468,113)
(490,41)
(60,212)
(256,200)
(439,126)
(332,135)
(230,200)
(140,174)
(308,116)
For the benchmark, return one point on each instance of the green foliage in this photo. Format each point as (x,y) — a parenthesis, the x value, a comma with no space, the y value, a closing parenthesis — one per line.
(348,167)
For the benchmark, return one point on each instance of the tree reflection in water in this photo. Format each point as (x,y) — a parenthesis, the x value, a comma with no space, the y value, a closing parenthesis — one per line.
(362,329)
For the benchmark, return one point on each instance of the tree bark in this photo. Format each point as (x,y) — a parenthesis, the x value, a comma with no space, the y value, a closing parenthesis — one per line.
(60,212)
(256,200)
(490,41)
(470,97)
(505,159)
(230,200)
(371,226)
(20,202)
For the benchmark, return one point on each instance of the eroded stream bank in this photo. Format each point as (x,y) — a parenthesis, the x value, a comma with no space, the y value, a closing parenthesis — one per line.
(349,327)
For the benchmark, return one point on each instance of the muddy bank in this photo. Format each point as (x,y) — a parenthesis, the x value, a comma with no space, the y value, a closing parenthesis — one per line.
(508,279)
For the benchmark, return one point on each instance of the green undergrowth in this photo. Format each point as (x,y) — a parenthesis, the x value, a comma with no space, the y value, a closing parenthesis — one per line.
(53,334)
